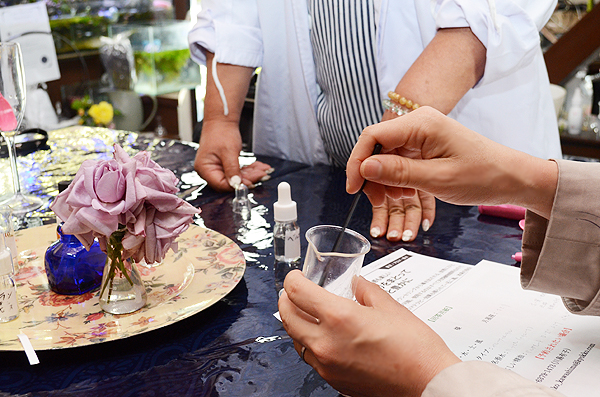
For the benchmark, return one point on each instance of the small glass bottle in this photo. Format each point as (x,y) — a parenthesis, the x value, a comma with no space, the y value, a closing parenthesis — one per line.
(286,234)
(241,203)
(7,229)
(70,268)
(9,305)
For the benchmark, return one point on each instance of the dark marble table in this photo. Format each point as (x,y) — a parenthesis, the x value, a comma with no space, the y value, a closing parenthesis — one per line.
(235,347)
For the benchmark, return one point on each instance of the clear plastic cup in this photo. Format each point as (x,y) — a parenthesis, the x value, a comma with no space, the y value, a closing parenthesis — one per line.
(334,271)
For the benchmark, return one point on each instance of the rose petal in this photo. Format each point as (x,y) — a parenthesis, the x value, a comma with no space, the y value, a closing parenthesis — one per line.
(98,221)
(77,193)
(120,154)
(110,185)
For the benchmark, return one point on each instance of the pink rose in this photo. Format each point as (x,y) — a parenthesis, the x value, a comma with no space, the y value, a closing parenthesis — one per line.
(136,193)
(160,229)
(150,174)
(92,203)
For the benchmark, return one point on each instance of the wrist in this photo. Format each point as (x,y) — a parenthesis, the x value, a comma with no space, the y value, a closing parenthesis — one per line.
(218,123)
(444,360)
(543,188)
(398,104)
(539,181)
(220,133)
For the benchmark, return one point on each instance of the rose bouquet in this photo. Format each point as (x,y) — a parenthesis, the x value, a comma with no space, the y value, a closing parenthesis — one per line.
(129,204)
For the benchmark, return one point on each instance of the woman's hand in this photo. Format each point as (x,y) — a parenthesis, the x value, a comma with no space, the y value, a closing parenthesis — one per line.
(400,219)
(217,158)
(425,150)
(375,347)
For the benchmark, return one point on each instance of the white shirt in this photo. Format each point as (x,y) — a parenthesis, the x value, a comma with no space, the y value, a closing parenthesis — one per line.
(511,104)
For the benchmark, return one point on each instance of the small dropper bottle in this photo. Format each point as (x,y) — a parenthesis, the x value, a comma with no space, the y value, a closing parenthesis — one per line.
(9,306)
(286,234)
(241,203)
(7,230)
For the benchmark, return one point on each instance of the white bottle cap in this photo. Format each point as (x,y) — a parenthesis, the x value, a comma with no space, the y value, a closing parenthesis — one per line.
(284,209)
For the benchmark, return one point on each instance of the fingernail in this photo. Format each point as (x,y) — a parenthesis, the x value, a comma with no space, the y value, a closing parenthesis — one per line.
(407,235)
(235,181)
(393,234)
(265,178)
(269,171)
(371,168)
(375,232)
(426,225)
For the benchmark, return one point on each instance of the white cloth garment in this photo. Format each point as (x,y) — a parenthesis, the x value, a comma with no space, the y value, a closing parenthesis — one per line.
(349,98)
(511,104)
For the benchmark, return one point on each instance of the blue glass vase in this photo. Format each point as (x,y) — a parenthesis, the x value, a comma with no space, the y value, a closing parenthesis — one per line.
(71,269)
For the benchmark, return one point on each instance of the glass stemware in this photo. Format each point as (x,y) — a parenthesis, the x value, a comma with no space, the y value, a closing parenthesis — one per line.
(12,108)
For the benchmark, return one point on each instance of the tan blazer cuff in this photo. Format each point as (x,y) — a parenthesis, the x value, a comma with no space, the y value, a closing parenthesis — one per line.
(562,256)
(481,379)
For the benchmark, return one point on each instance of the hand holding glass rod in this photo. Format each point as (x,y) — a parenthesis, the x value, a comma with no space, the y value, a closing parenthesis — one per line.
(338,241)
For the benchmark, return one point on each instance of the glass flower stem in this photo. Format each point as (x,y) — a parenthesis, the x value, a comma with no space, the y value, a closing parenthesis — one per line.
(12,155)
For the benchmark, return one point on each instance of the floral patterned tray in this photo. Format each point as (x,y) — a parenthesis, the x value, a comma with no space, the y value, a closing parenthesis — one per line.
(206,267)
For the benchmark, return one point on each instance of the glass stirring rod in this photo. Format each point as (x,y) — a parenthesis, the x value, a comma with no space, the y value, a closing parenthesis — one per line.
(338,240)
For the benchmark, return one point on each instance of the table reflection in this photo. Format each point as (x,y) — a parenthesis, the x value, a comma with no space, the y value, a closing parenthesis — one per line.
(235,347)
(67,148)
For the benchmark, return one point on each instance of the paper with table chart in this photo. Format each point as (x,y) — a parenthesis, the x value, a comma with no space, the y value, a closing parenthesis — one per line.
(482,313)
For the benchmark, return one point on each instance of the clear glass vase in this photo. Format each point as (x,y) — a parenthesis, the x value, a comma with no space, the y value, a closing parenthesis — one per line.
(122,293)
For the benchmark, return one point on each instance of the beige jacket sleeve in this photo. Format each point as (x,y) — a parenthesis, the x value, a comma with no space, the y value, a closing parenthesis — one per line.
(562,256)
(481,379)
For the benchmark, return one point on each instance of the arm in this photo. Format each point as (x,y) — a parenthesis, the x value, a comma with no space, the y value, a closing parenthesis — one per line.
(428,151)
(377,347)
(562,256)
(482,379)
(477,43)
(230,30)
(509,30)
(220,140)
(449,66)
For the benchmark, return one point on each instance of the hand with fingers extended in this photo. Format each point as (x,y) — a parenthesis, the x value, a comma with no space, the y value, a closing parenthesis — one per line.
(372,347)
(429,152)
(399,219)
(217,159)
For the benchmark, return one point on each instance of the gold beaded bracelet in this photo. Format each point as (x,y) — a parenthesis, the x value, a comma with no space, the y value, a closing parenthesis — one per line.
(398,104)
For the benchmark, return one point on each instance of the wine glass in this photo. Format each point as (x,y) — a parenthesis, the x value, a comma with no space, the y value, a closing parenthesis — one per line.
(12,108)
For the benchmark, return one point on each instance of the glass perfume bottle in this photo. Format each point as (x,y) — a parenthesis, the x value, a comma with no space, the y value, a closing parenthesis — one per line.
(241,203)
(7,229)
(9,307)
(286,234)
(70,268)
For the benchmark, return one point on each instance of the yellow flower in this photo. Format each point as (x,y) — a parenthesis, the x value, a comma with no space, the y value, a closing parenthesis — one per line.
(102,113)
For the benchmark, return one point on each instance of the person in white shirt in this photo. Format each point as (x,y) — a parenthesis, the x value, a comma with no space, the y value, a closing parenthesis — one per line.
(326,66)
